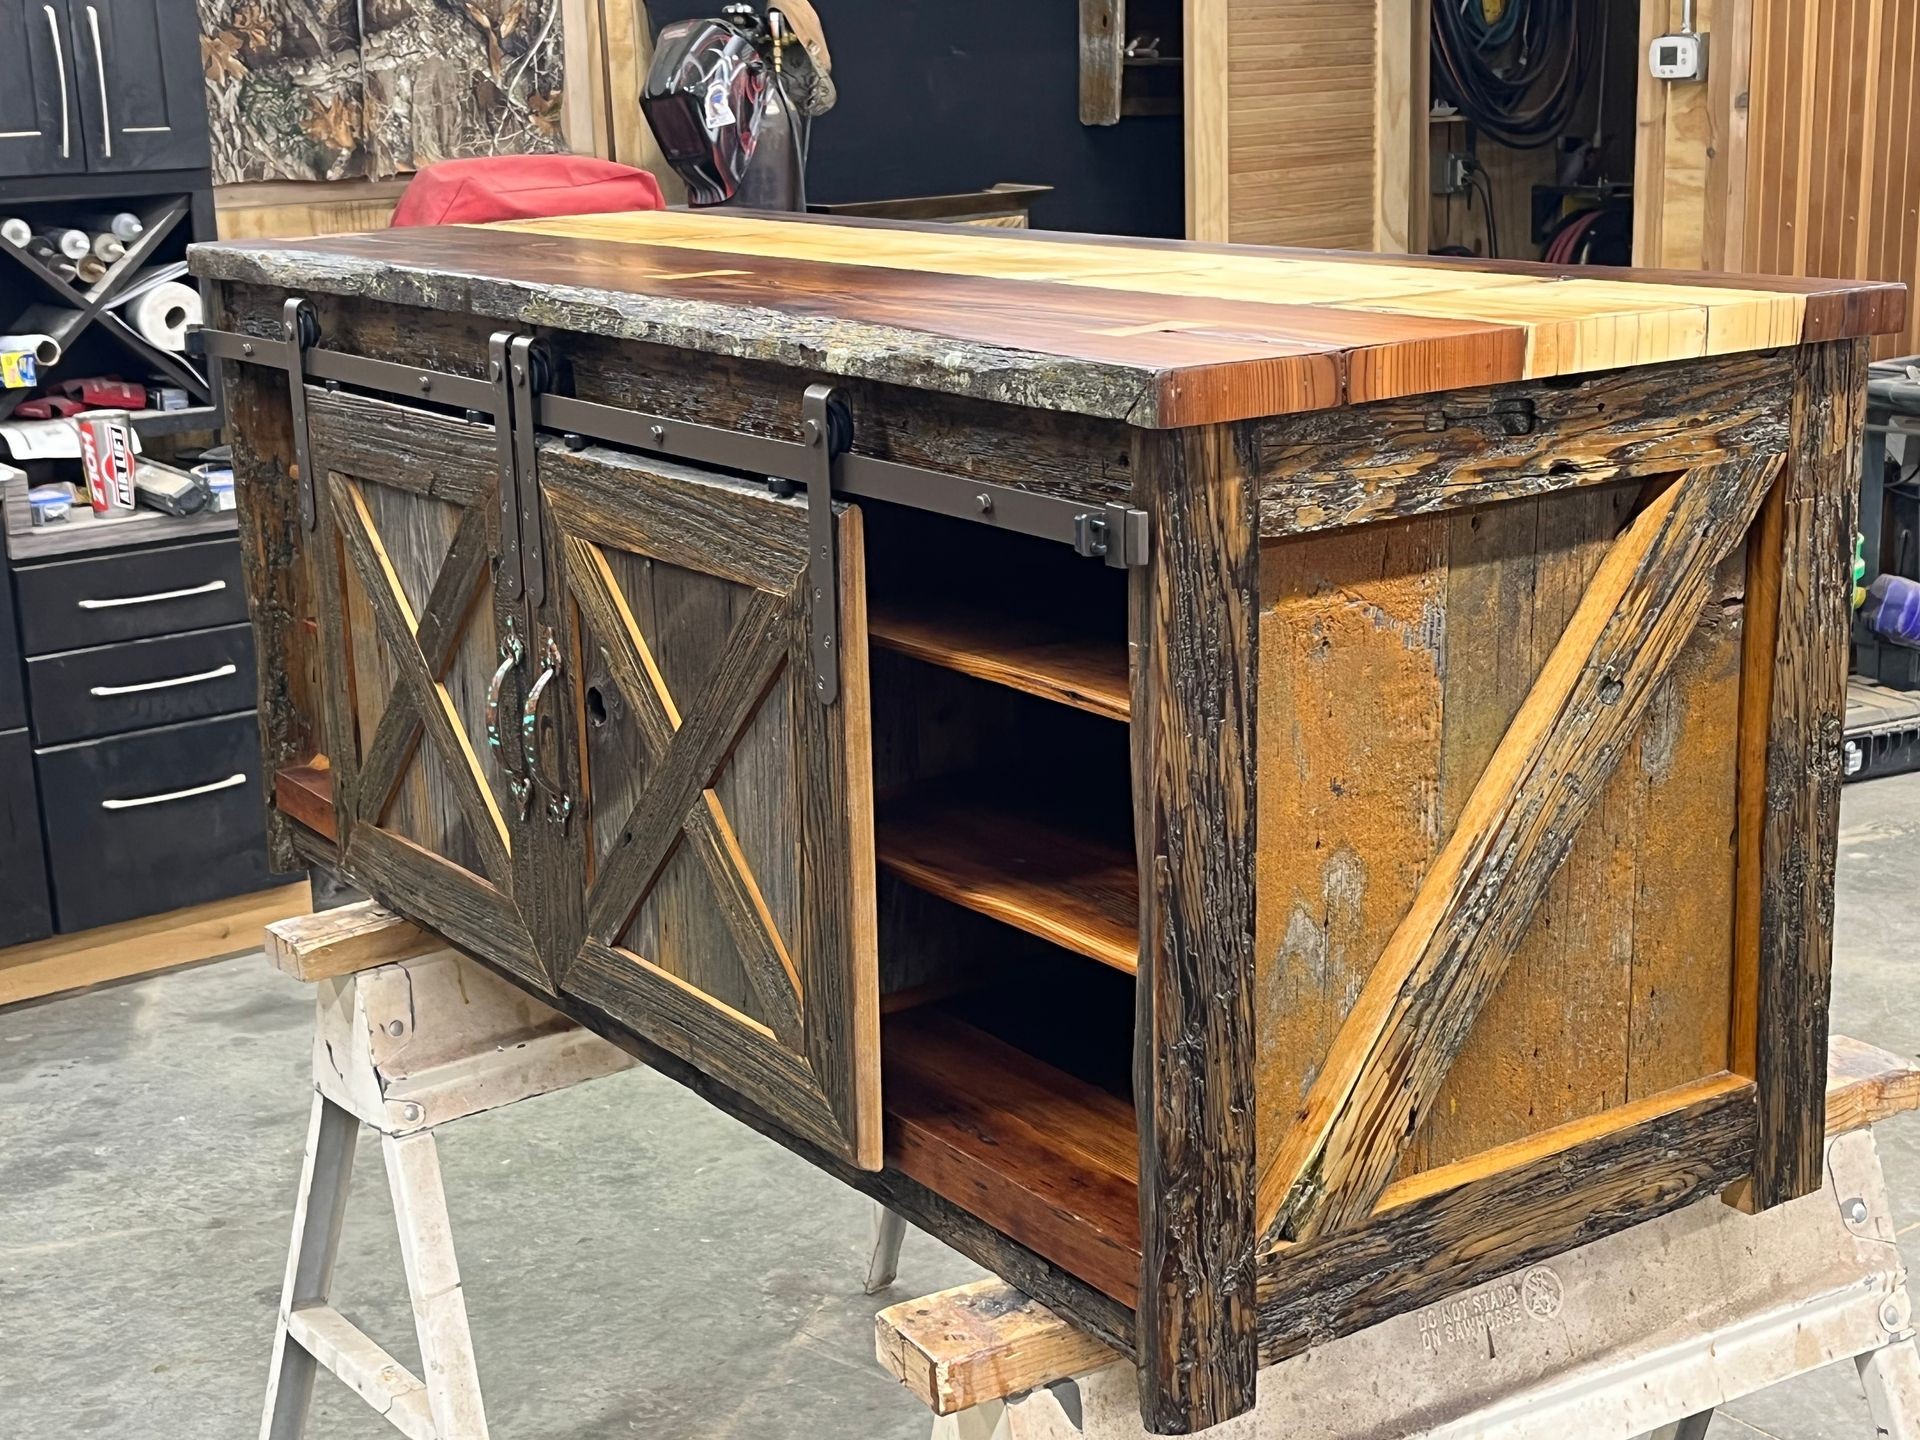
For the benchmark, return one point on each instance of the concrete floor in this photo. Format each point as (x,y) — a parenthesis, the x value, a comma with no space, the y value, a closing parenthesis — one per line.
(635,1263)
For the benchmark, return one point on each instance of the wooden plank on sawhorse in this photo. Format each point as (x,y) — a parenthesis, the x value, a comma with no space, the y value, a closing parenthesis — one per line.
(408,1036)
(1724,1303)
(345,940)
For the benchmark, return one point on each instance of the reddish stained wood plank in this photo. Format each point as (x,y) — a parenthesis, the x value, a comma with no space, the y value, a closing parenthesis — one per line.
(1046,1158)
(1075,342)
(305,793)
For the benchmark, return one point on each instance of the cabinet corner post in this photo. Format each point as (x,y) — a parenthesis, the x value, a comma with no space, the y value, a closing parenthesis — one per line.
(1194,624)
(1795,700)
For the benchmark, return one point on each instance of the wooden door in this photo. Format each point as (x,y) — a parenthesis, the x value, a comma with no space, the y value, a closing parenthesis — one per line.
(40,128)
(140,84)
(725,819)
(415,646)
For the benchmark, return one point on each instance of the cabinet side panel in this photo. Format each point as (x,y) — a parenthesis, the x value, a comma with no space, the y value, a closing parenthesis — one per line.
(1394,657)
(276,567)
(1352,663)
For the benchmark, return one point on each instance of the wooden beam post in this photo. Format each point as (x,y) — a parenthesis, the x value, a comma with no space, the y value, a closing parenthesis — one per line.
(1195,685)
(1792,794)
(278,574)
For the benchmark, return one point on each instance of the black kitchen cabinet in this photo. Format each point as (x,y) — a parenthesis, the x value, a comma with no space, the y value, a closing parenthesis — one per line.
(102,86)
(141,94)
(39,121)
(136,789)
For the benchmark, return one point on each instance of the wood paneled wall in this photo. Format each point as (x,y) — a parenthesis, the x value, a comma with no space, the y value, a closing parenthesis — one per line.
(1801,153)
(1306,121)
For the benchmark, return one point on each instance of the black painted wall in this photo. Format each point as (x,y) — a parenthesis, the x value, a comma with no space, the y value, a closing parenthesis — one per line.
(938,96)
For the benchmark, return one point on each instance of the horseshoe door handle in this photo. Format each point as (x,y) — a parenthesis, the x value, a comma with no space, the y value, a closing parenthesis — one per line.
(519,783)
(559,803)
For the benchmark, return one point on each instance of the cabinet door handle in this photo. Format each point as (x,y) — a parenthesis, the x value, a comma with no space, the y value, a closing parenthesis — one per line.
(100,74)
(139,800)
(559,803)
(104,692)
(60,69)
(154,599)
(518,783)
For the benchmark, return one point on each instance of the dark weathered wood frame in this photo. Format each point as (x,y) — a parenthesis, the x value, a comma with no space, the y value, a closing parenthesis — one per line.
(1225,1286)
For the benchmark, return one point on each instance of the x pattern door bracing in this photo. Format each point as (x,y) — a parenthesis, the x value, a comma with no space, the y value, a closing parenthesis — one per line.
(685,747)
(1448,954)
(421,648)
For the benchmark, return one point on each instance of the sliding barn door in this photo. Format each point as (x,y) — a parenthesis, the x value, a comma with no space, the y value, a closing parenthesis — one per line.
(724,810)
(430,808)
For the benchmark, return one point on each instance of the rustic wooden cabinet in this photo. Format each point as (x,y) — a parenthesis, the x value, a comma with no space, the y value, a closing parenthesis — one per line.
(1243,789)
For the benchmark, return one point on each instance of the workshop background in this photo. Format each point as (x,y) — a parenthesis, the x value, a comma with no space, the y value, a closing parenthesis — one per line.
(152,1067)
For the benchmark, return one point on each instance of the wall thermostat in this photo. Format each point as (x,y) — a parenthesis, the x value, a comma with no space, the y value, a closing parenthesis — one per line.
(1681,56)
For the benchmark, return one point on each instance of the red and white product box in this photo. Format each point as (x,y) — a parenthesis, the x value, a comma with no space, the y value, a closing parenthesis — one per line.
(106,458)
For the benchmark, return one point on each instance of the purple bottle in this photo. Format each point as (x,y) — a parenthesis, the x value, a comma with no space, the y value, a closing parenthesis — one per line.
(1892,609)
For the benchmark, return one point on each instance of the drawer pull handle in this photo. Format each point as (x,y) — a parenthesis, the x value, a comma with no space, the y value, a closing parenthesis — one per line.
(106,692)
(207,589)
(100,71)
(139,800)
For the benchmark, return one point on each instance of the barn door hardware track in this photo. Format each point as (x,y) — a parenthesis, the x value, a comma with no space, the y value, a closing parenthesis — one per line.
(1114,533)
(514,394)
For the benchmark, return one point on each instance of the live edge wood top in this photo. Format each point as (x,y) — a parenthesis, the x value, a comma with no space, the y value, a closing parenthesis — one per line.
(1156,333)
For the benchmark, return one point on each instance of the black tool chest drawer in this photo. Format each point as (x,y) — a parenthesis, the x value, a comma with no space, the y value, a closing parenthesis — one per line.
(100,599)
(129,763)
(153,821)
(83,694)
(24,912)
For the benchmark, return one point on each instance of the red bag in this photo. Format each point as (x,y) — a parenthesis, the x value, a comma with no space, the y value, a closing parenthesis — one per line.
(523,187)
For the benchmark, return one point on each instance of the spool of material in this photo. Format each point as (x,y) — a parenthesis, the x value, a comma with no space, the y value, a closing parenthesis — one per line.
(108,246)
(90,267)
(122,225)
(16,231)
(163,314)
(70,243)
(44,348)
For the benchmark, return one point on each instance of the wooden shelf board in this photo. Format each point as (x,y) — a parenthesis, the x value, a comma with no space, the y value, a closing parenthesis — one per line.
(140,947)
(1017,652)
(1048,1159)
(305,793)
(1077,892)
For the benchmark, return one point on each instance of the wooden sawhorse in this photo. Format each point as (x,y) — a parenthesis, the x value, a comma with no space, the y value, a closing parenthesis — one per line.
(1645,1332)
(408,1036)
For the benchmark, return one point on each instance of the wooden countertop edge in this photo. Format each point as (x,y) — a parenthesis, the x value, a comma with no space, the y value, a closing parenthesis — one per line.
(890,355)
(987,1341)
(1287,382)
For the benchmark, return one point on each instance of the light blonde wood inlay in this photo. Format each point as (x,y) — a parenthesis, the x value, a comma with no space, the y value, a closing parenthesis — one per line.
(1572,324)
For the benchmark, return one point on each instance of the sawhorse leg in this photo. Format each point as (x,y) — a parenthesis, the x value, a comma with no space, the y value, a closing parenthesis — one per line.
(889,1232)
(403,1048)
(310,1333)
(317,1213)
(1891,1378)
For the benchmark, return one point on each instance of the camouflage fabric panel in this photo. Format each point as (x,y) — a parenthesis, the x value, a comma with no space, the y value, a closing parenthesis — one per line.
(448,80)
(284,89)
(299,90)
